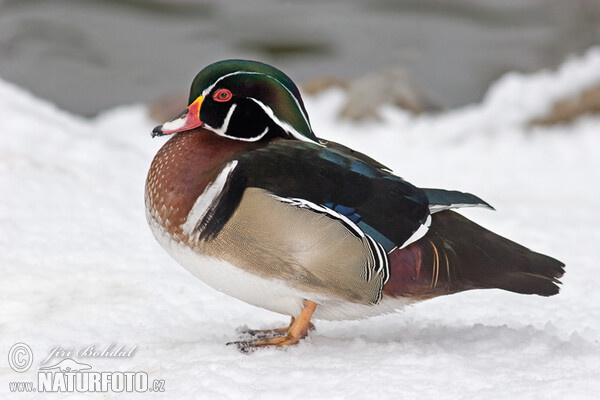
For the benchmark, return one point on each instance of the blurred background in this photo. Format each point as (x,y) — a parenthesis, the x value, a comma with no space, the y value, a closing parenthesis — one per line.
(89,56)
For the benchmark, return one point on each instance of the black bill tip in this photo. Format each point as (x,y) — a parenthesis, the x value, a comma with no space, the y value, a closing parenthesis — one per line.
(157,131)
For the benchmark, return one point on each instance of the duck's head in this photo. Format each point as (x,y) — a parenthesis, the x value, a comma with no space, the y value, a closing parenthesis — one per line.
(243,100)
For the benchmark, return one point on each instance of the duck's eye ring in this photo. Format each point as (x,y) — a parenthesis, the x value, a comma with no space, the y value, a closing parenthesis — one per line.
(222,95)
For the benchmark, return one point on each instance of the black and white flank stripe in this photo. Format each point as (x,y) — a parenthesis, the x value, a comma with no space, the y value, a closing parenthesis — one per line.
(211,210)
(378,264)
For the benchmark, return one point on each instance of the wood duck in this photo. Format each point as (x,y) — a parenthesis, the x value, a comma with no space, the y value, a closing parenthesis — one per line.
(248,199)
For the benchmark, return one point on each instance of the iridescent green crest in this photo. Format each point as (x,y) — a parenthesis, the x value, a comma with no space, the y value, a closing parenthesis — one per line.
(267,86)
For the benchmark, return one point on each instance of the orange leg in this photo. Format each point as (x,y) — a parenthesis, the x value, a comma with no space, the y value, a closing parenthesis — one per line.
(297,330)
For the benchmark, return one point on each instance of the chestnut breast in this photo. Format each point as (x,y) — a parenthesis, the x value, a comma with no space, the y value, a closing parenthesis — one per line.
(180,172)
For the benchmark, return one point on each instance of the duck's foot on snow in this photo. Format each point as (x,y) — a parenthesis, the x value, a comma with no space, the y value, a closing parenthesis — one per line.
(282,337)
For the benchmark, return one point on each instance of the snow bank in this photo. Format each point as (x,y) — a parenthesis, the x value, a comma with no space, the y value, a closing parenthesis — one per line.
(80,267)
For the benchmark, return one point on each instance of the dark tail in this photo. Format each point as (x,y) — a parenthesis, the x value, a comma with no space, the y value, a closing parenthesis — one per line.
(457,254)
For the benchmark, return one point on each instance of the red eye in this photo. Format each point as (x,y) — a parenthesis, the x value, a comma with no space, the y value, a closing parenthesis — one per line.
(222,95)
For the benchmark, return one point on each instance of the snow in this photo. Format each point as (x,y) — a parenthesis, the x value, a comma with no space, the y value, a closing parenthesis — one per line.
(80,267)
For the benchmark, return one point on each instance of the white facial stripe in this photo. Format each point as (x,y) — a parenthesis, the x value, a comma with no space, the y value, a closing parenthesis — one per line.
(291,130)
(284,125)
(222,131)
(206,91)
(295,100)
(241,139)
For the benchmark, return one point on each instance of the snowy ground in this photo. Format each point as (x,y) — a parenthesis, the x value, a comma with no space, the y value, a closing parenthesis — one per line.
(80,267)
